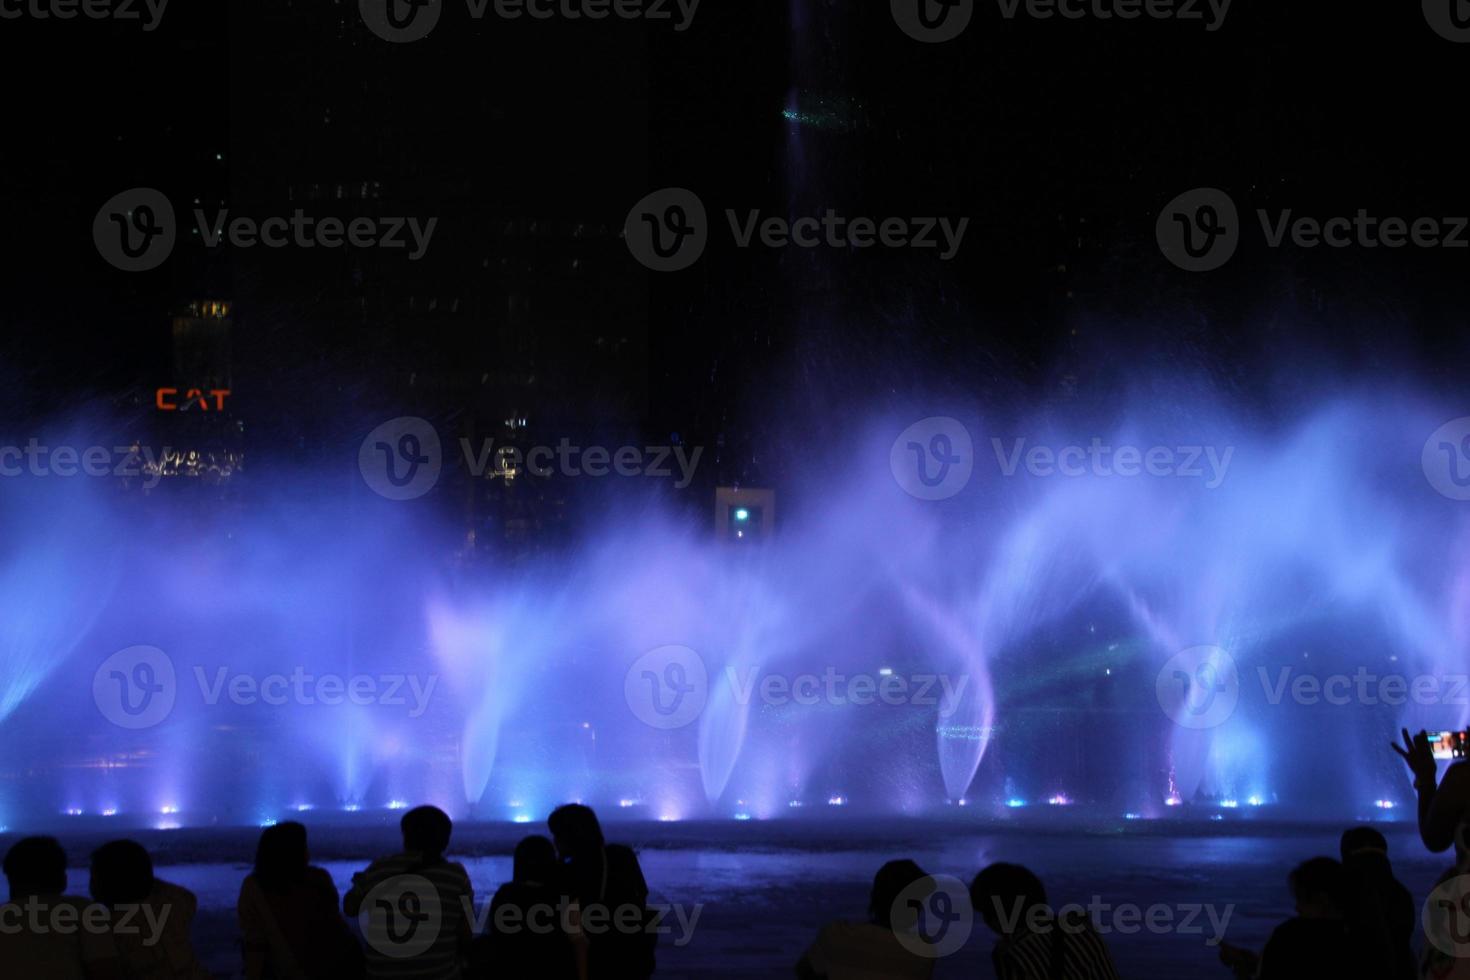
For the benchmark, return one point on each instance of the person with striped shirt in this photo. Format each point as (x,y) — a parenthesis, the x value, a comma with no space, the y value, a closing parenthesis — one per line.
(415,907)
(1035,943)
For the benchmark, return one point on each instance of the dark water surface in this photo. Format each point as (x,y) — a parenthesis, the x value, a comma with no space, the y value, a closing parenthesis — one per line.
(764,889)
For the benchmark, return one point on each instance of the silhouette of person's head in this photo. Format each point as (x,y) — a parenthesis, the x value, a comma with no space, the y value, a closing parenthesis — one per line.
(1318,886)
(1004,895)
(575,830)
(535,860)
(426,831)
(122,872)
(281,857)
(888,884)
(1362,840)
(35,866)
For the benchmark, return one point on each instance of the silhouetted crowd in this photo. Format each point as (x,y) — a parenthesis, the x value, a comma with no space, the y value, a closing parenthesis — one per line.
(576,908)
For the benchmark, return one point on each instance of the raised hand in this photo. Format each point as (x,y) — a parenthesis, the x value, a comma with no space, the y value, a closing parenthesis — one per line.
(1418,756)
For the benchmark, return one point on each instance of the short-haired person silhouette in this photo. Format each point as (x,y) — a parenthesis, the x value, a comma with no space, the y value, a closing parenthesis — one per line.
(869,949)
(290,916)
(151,918)
(1380,912)
(1316,943)
(525,934)
(35,868)
(606,890)
(418,889)
(1036,943)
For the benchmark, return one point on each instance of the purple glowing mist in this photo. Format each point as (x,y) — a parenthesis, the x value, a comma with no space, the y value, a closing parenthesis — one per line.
(1325,540)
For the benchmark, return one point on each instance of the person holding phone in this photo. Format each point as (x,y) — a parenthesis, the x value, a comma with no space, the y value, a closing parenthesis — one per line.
(1444,812)
(1443,808)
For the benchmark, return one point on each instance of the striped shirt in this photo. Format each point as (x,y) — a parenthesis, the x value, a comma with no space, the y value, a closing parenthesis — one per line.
(1034,955)
(413,915)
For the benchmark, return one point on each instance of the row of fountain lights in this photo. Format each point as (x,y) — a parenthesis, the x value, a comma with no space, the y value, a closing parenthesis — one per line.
(520,816)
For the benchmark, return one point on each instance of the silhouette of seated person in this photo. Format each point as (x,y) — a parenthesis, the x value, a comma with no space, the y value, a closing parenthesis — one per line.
(417,889)
(1316,942)
(525,932)
(290,917)
(610,924)
(1035,942)
(44,932)
(151,919)
(869,949)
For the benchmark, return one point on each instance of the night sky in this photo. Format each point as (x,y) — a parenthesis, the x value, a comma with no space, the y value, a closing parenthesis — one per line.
(1060,140)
